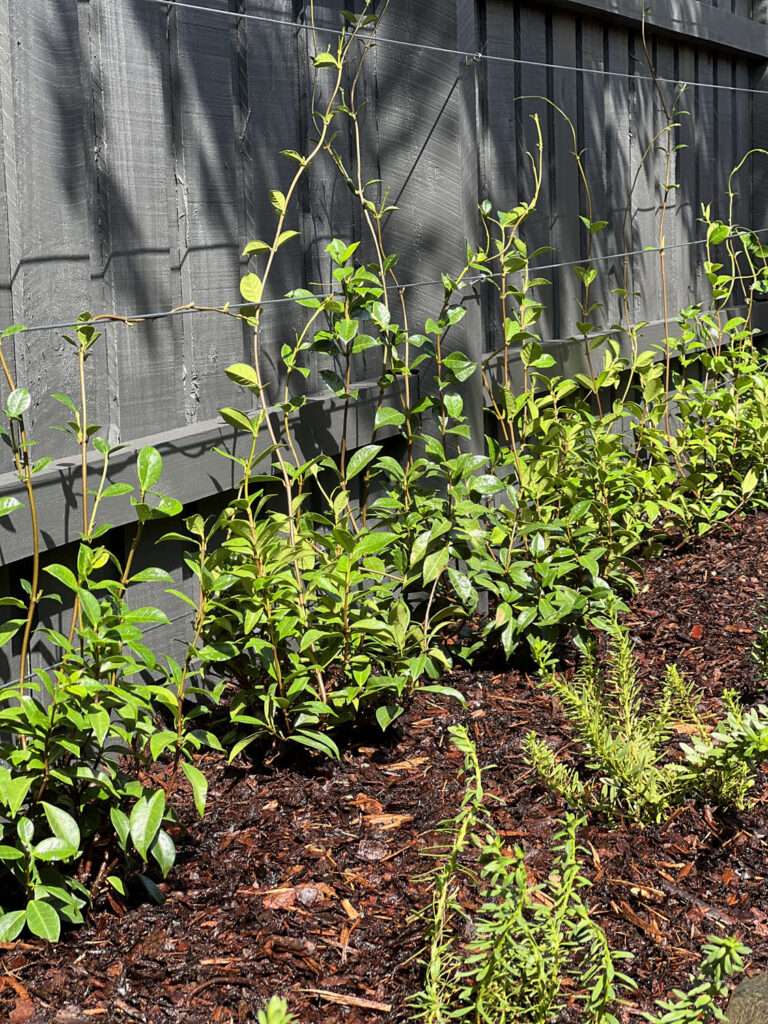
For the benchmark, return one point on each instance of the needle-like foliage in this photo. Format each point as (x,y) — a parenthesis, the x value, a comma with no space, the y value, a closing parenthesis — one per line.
(630,766)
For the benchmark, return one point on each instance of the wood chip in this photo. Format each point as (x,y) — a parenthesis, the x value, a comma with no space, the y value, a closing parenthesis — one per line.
(406,766)
(344,1000)
(350,911)
(387,822)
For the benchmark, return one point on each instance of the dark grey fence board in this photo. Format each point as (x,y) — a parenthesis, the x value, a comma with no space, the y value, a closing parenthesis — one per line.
(593,125)
(273,122)
(418,99)
(666,59)
(617,132)
(207,198)
(9,231)
(567,201)
(51,261)
(535,44)
(471,29)
(140,179)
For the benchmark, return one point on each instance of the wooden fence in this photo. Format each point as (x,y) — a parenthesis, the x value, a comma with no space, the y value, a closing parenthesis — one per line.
(139,141)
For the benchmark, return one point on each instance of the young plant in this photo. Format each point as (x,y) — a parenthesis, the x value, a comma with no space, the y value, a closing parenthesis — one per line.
(276,1012)
(629,768)
(530,942)
(78,739)
(722,958)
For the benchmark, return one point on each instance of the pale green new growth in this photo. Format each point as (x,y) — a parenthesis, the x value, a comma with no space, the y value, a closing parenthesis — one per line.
(626,749)
(276,1012)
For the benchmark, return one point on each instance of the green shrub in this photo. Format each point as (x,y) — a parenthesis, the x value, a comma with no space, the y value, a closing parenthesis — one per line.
(78,739)
(629,767)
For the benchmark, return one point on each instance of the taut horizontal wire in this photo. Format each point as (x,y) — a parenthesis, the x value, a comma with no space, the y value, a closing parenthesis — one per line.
(131,319)
(300,26)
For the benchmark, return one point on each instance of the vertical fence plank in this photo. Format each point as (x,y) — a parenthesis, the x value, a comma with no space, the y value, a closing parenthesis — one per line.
(669,196)
(471,33)
(567,197)
(594,141)
(506,177)
(688,205)
(705,147)
(207,200)
(329,210)
(742,8)
(51,249)
(419,152)
(618,167)
(647,118)
(139,179)
(10,240)
(270,122)
(741,136)
(535,40)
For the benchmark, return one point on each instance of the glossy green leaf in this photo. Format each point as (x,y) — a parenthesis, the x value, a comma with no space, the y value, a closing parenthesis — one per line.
(43,921)
(149,467)
(362,458)
(199,785)
(145,820)
(63,825)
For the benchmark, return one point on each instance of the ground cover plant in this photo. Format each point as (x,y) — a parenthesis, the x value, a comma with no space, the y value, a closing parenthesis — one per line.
(343,590)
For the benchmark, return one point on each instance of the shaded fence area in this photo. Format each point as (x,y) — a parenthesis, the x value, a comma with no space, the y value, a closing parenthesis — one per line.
(139,141)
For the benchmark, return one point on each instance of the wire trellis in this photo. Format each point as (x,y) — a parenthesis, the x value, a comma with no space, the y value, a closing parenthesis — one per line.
(133,319)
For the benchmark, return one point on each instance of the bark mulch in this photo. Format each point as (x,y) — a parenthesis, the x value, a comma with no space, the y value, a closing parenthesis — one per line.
(304,880)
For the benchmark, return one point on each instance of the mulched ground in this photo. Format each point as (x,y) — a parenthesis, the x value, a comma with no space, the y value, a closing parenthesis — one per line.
(304,881)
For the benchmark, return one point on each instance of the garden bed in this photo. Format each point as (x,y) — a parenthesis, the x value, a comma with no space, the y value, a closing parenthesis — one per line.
(303,879)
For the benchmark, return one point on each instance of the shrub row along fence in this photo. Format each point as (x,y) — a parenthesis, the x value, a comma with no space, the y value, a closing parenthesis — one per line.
(339,578)
(140,139)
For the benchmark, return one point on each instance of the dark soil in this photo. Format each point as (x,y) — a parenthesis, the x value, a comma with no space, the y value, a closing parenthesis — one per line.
(303,882)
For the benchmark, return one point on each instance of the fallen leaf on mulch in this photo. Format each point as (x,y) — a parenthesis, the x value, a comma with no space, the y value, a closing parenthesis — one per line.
(367,804)
(24,1008)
